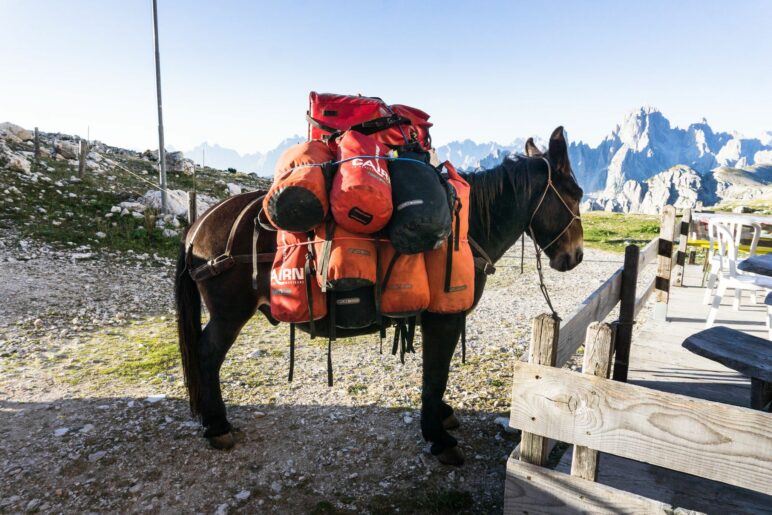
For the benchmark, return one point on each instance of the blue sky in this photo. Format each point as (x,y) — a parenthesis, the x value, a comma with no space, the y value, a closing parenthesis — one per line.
(238,73)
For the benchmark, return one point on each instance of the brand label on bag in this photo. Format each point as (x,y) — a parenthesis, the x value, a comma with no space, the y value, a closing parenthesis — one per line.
(409,203)
(288,276)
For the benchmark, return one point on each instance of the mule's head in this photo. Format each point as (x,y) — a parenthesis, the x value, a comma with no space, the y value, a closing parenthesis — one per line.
(555,220)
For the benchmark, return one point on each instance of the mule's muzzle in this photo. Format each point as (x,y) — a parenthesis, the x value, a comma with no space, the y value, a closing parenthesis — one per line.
(565,261)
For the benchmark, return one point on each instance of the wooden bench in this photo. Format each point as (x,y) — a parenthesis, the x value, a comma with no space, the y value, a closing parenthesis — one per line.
(748,354)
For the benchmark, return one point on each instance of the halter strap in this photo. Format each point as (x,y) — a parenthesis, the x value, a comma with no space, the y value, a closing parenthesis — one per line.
(539,251)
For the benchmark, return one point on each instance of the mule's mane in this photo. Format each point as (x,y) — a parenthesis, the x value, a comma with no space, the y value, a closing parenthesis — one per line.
(487,185)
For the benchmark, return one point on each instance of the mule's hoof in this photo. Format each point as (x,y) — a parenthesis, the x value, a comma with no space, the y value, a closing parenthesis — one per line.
(452,456)
(223,442)
(451,423)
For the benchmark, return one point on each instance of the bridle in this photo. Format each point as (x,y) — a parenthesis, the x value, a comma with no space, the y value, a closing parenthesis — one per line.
(540,250)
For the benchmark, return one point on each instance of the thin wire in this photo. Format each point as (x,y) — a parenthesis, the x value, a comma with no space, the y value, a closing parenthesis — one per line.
(154,185)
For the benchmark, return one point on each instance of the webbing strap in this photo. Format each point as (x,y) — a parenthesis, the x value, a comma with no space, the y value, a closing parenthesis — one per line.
(292,352)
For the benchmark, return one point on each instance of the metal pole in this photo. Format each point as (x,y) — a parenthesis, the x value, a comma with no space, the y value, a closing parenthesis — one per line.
(161,148)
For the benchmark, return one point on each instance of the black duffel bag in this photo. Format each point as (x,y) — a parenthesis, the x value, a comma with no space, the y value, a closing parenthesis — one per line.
(421,220)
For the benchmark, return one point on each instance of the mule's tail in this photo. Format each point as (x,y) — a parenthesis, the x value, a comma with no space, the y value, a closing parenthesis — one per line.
(188,301)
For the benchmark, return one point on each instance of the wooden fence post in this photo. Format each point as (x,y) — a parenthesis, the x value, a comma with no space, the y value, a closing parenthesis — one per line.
(82,162)
(686,223)
(543,351)
(664,263)
(597,362)
(192,211)
(37,149)
(624,330)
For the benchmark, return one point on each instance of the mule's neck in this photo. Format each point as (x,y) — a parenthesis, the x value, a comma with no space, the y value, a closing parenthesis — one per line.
(500,213)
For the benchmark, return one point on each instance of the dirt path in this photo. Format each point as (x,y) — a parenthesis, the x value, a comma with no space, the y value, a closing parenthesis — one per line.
(94,416)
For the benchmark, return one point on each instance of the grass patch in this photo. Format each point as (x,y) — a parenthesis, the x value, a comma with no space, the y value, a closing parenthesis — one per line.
(614,231)
(140,353)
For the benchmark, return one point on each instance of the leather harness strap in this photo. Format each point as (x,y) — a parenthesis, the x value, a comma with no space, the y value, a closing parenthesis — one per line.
(227,260)
(482,261)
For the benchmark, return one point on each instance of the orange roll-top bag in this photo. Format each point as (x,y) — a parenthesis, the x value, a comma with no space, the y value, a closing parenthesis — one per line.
(346,260)
(403,282)
(295,294)
(450,268)
(361,189)
(297,201)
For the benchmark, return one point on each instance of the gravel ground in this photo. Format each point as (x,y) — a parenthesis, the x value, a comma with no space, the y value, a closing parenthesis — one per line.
(80,436)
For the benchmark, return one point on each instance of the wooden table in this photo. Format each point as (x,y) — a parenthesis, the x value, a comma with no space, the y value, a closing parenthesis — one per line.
(748,354)
(761,265)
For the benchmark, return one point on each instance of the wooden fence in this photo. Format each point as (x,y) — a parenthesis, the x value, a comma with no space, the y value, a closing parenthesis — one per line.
(706,439)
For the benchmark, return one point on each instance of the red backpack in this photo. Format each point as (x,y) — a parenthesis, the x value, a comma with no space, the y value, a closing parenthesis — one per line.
(395,125)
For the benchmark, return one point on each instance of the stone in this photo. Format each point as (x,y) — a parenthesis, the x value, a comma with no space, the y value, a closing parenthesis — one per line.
(19,164)
(243,495)
(100,235)
(61,431)
(152,399)
(96,456)
(233,189)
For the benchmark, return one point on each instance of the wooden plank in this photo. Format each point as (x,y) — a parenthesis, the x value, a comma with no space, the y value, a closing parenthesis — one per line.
(703,438)
(748,354)
(648,253)
(532,489)
(597,362)
(674,488)
(624,334)
(594,309)
(664,261)
(683,237)
(544,339)
(640,301)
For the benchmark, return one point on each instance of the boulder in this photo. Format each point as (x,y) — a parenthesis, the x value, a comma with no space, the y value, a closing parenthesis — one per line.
(177,201)
(17,132)
(66,149)
(19,163)
(233,189)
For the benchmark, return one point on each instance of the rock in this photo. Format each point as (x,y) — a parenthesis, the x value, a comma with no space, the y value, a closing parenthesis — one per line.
(242,495)
(87,428)
(100,235)
(504,423)
(67,150)
(177,201)
(19,132)
(233,189)
(152,399)
(19,164)
(222,509)
(61,431)
(33,505)
(96,456)
(276,487)
(406,418)
(81,256)
(170,233)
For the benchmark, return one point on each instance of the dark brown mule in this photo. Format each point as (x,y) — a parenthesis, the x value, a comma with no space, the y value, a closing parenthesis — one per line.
(537,193)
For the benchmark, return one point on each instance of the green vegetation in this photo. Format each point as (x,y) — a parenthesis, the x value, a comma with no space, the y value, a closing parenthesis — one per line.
(56,207)
(614,231)
(143,352)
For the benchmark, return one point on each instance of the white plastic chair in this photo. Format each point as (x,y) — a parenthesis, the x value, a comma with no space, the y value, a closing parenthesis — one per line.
(716,257)
(733,279)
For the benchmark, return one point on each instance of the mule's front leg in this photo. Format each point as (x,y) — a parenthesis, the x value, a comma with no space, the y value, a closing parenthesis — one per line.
(440,336)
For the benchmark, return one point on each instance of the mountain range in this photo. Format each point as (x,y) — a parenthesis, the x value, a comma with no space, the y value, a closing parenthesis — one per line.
(642,146)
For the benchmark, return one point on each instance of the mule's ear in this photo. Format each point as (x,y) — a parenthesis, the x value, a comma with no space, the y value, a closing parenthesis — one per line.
(558,151)
(531,150)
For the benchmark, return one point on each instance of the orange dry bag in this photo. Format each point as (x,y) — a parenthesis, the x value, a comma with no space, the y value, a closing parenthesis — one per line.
(295,294)
(297,200)
(346,260)
(361,189)
(403,282)
(451,267)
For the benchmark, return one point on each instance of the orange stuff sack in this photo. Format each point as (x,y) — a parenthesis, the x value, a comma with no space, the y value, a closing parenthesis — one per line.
(295,294)
(361,189)
(297,200)
(347,261)
(451,267)
(404,284)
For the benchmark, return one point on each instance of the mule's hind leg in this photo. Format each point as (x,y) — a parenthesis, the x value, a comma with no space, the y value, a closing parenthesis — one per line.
(440,336)
(216,339)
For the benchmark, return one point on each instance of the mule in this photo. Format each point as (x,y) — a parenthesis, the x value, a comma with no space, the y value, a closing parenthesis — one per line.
(536,192)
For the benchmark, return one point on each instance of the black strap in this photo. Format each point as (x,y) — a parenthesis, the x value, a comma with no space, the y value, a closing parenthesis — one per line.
(378,288)
(448,263)
(292,352)
(255,234)
(367,128)
(309,276)
(463,340)
(483,261)
(331,337)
